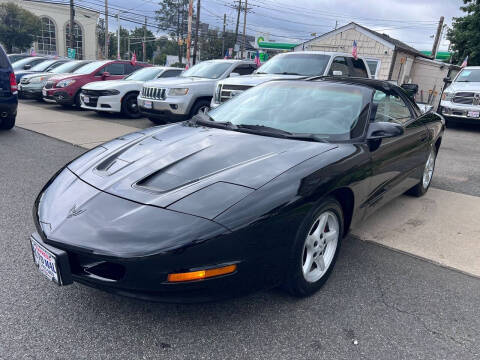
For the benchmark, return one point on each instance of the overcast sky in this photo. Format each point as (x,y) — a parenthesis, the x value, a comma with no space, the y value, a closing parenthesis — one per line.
(411,21)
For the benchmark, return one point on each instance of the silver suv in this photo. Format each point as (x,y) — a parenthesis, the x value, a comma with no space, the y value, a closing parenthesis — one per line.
(461,100)
(293,65)
(180,98)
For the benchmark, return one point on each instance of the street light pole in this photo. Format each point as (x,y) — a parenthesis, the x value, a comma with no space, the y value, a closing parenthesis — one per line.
(106,29)
(72,25)
(118,36)
(189,30)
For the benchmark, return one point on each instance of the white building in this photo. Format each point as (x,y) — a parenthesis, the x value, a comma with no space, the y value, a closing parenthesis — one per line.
(55,31)
(388,58)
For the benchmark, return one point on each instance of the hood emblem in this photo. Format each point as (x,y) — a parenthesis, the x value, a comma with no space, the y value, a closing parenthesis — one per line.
(75,212)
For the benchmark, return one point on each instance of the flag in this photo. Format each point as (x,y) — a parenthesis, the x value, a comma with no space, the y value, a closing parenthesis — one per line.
(33,52)
(355,50)
(465,62)
(186,67)
(257,59)
(226,54)
(134,59)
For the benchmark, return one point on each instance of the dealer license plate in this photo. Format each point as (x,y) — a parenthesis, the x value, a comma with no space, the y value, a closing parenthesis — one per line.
(86,99)
(46,261)
(473,114)
(44,92)
(147,104)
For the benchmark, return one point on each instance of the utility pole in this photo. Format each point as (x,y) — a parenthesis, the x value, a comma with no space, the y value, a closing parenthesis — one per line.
(106,29)
(128,45)
(336,24)
(244,28)
(72,25)
(118,37)
(189,30)
(238,21)
(438,35)
(223,36)
(197,25)
(144,44)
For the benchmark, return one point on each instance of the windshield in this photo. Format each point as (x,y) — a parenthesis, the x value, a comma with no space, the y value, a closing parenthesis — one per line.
(67,67)
(87,69)
(296,64)
(43,65)
(469,75)
(145,74)
(208,69)
(18,65)
(331,110)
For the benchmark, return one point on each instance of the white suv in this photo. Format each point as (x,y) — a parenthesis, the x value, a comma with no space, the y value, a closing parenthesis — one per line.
(461,99)
(293,65)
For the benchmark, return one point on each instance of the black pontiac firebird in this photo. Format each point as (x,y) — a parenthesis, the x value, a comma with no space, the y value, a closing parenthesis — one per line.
(259,192)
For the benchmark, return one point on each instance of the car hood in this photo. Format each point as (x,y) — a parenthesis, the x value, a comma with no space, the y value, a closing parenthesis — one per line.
(110,84)
(163,165)
(256,79)
(178,81)
(59,77)
(464,86)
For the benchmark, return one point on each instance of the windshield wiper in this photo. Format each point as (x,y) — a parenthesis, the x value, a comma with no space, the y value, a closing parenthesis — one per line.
(207,120)
(287,73)
(263,128)
(309,137)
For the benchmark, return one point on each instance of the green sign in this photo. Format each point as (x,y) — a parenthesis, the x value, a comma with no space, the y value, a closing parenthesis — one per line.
(71,53)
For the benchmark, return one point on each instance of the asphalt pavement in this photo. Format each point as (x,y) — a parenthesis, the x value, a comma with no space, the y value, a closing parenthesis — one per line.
(378,303)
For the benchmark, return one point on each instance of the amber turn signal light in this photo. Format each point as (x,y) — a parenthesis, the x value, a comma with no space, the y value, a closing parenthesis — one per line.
(201,274)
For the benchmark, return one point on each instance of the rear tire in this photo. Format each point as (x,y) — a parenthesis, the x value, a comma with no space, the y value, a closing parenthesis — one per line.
(130,106)
(8,122)
(316,249)
(422,187)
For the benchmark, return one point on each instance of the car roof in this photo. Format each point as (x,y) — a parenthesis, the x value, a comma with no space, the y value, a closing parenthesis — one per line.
(472,67)
(318,52)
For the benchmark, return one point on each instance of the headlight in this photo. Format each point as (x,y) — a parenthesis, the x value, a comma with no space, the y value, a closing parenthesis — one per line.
(38,79)
(110,92)
(178,92)
(218,90)
(65,83)
(447,96)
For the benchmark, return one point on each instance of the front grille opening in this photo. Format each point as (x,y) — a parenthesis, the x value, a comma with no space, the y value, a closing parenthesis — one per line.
(86,265)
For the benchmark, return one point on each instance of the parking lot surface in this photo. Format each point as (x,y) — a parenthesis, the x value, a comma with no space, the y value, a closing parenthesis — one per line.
(378,303)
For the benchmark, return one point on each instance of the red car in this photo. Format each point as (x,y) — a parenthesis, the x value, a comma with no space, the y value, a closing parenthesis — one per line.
(65,89)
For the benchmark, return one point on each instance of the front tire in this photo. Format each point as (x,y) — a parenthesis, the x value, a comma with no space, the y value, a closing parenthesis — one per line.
(157,121)
(200,107)
(130,106)
(422,187)
(8,122)
(316,249)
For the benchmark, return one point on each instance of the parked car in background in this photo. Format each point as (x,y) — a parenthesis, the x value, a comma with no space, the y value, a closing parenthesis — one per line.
(31,85)
(8,93)
(461,99)
(290,66)
(16,57)
(44,66)
(182,97)
(65,89)
(27,63)
(121,95)
(257,193)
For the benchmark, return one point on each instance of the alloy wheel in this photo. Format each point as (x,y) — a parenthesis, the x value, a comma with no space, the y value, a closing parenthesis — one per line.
(428,170)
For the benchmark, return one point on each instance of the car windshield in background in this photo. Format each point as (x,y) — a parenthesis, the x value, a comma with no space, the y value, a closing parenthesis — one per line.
(144,74)
(87,69)
(208,69)
(43,65)
(331,111)
(18,65)
(67,67)
(297,64)
(469,75)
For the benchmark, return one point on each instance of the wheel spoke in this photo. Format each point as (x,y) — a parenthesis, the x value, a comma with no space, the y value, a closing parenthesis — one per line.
(320,263)
(307,266)
(321,226)
(330,236)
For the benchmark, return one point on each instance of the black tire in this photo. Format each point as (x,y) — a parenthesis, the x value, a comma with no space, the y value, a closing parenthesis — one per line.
(420,189)
(8,122)
(157,121)
(295,283)
(199,104)
(130,106)
(76,101)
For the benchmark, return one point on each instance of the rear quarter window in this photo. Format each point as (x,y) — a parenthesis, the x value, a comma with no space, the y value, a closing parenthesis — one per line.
(358,68)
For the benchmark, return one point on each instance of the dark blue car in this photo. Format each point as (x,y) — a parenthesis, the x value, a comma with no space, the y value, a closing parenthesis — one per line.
(8,93)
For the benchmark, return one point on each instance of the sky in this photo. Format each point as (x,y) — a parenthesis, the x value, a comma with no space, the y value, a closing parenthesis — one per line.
(411,21)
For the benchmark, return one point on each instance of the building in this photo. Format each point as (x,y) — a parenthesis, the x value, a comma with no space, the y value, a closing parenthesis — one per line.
(55,31)
(387,58)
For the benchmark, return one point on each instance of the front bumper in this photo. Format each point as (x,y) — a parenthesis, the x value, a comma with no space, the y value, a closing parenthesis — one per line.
(30,91)
(175,108)
(460,111)
(111,103)
(60,95)
(8,106)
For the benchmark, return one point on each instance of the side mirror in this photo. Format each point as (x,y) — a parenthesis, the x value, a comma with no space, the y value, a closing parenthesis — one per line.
(337,73)
(234,74)
(447,80)
(27,67)
(105,75)
(410,89)
(382,130)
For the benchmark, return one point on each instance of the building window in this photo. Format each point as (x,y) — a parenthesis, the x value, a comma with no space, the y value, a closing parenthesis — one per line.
(374,67)
(78,35)
(47,41)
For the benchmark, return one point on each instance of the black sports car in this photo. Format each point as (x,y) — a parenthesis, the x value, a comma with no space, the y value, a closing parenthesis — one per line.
(259,192)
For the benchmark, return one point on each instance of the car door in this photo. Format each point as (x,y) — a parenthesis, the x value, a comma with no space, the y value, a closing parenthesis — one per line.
(397,163)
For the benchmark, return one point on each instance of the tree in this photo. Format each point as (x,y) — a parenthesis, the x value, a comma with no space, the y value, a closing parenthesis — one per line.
(136,40)
(18,27)
(465,34)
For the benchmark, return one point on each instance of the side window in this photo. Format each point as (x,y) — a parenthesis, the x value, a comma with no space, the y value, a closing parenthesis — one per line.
(374,66)
(171,73)
(138,67)
(244,69)
(390,108)
(115,69)
(339,64)
(358,67)
(129,68)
